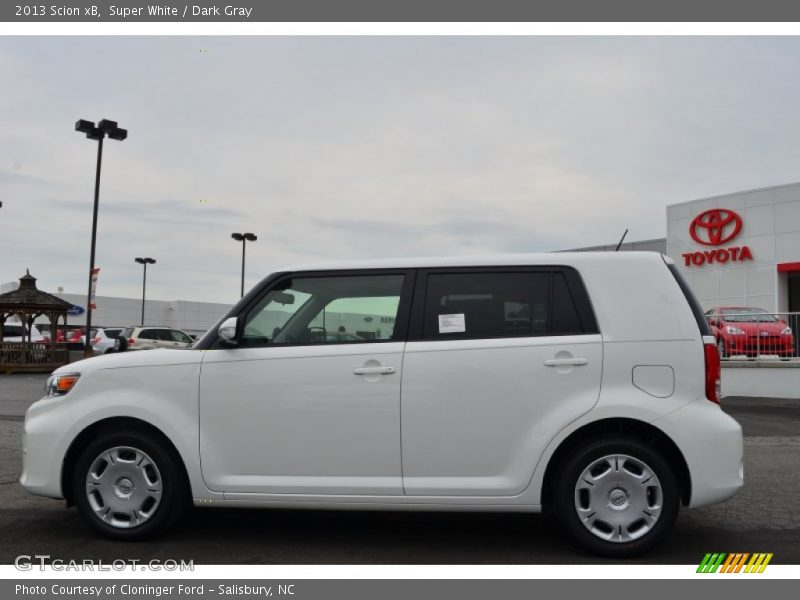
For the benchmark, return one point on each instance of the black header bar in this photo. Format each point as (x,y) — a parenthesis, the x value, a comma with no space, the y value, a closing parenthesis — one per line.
(401,11)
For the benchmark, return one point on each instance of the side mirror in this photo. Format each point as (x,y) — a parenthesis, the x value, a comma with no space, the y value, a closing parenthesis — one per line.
(227,331)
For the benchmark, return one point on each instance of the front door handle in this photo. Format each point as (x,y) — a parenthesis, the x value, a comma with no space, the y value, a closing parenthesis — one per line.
(565,362)
(374,371)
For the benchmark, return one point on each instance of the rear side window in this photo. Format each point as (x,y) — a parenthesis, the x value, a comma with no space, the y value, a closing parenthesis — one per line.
(486,305)
(505,304)
(149,334)
(697,310)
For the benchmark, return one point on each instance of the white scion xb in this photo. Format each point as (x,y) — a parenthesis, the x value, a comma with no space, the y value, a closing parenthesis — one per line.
(587,383)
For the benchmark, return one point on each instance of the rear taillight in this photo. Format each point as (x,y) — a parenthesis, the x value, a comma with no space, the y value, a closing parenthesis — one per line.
(131,341)
(713,370)
(95,340)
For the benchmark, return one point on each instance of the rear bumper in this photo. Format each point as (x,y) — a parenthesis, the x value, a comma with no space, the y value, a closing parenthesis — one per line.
(712,445)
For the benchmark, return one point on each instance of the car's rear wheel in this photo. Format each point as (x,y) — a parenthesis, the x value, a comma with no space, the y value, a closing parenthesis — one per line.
(129,486)
(616,497)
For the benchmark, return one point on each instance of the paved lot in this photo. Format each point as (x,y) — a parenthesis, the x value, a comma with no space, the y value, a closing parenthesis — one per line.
(763,517)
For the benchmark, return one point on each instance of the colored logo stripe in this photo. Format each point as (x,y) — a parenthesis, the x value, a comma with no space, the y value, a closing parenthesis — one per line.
(758,563)
(710,563)
(734,562)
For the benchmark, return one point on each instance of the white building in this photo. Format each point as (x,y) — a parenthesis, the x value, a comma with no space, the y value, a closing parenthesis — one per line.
(191,317)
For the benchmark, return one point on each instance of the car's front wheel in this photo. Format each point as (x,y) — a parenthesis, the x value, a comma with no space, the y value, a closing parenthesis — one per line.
(129,486)
(616,497)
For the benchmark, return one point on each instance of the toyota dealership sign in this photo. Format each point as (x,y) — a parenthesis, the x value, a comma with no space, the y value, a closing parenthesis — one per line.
(716,227)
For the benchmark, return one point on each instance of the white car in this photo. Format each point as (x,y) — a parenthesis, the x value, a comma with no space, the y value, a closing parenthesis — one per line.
(583,382)
(103,339)
(150,338)
(14,331)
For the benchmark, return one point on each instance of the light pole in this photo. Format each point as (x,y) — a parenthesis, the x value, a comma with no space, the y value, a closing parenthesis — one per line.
(144,261)
(104,128)
(244,238)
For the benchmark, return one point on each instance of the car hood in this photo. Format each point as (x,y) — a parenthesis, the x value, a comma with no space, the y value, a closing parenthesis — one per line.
(141,358)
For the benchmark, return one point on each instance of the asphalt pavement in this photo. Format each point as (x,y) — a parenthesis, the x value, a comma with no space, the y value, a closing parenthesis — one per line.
(763,517)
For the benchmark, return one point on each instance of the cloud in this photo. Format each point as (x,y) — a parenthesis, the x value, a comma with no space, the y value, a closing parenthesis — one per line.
(368,147)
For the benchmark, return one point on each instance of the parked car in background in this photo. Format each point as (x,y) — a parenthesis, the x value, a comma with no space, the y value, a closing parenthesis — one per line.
(103,339)
(749,331)
(508,383)
(149,338)
(74,339)
(15,331)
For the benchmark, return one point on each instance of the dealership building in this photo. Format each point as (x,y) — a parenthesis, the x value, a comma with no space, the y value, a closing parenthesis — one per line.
(740,249)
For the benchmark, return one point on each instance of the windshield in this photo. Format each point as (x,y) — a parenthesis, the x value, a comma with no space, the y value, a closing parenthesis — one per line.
(747,315)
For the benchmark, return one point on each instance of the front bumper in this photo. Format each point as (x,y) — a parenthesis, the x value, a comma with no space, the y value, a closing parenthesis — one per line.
(44,445)
(755,345)
(712,445)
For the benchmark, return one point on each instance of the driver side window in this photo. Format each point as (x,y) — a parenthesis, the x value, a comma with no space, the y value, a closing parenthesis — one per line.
(326,310)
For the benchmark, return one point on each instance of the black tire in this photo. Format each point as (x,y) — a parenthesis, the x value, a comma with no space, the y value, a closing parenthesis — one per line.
(564,495)
(174,485)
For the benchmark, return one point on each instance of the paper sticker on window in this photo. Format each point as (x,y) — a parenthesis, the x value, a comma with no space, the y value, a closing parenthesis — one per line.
(452,323)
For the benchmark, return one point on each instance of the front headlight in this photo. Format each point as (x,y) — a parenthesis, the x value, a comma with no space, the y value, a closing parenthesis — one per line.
(734,330)
(787,331)
(58,385)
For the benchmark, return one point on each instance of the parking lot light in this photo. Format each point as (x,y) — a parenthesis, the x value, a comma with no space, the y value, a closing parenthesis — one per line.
(144,261)
(103,128)
(244,238)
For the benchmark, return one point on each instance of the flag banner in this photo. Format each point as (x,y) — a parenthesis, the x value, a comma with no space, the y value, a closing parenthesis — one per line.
(95,273)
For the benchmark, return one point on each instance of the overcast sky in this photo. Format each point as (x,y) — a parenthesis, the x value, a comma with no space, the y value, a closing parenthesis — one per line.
(370,147)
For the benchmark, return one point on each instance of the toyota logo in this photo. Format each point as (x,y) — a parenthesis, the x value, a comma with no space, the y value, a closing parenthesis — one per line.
(715,227)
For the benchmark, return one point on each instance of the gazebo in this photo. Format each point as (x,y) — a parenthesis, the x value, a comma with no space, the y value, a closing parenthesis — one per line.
(27,303)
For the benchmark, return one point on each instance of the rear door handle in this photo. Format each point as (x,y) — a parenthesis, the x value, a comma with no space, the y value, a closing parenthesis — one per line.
(374,371)
(561,362)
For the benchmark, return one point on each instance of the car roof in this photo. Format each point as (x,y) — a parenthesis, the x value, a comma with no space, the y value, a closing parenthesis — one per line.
(492,260)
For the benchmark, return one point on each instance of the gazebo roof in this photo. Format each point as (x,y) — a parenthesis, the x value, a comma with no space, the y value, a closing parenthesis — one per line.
(26,296)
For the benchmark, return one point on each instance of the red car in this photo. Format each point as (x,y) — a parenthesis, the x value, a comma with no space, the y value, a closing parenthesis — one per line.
(73,336)
(749,331)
